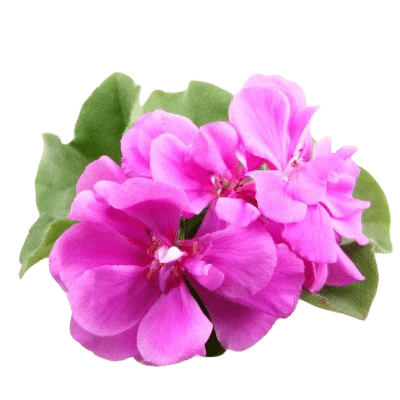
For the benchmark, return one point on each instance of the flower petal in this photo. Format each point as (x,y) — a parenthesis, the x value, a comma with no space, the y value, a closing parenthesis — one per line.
(90,207)
(111,299)
(206,274)
(246,256)
(236,211)
(214,148)
(172,163)
(312,238)
(136,143)
(316,276)
(103,169)
(260,116)
(113,348)
(175,329)
(77,250)
(279,298)
(274,199)
(144,198)
(343,272)
(237,326)
(351,227)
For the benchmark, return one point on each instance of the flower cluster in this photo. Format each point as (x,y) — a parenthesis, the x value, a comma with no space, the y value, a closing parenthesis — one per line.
(276,208)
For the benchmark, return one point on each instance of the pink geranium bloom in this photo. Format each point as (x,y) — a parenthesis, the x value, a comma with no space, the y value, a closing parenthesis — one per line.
(125,272)
(311,196)
(204,162)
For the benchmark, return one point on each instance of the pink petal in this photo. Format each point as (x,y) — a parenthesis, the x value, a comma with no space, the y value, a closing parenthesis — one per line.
(214,148)
(339,200)
(260,116)
(89,245)
(175,329)
(351,227)
(246,256)
(343,272)
(113,348)
(103,169)
(144,198)
(206,274)
(172,163)
(279,298)
(236,211)
(111,299)
(237,326)
(135,144)
(273,197)
(316,276)
(90,207)
(211,222)
(292,90)
(323,148)
(312,238)
(299,129)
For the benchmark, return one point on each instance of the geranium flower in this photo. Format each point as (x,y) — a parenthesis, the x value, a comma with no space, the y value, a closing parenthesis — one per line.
(310,195)
(204,162)
(125,272)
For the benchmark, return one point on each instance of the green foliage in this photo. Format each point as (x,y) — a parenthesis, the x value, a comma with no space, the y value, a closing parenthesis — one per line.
(376,219)
(354,299)
(108,112)
(41,237)
(105,116)
(201,102)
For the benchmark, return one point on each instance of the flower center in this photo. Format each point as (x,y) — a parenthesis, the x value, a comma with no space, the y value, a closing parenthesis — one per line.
(226,187)
(293,168)
(167,267)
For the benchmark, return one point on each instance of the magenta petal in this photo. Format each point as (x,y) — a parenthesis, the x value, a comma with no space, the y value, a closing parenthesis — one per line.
(144,198)
(103,169)
(237,326)
(135,144)
(274,199)
(279,298)
(111,299)
(206,274)
(214,148)
(90,207)
(351,227)
(312,238)
(211,222)
(172,163)
(246,256)
(343,272)
(114,348)
(236,211)
(260,116)
(89,245)
(175,329)
(316,276)
(339,200)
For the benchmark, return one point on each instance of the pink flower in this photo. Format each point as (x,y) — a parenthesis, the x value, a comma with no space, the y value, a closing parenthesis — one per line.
(125,272)
(311,196)
(204,162)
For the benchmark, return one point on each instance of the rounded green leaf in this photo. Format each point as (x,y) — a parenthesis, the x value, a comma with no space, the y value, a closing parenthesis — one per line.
(59,170)
(105,116)
(39,242)
(201,102)
(376,219)
(354,299)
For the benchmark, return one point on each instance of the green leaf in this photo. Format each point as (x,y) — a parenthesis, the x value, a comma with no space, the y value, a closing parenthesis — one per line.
(354,299)
(41,237)
(105,116)
(59,169)
(201,102)
(376,219)
(189,226)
